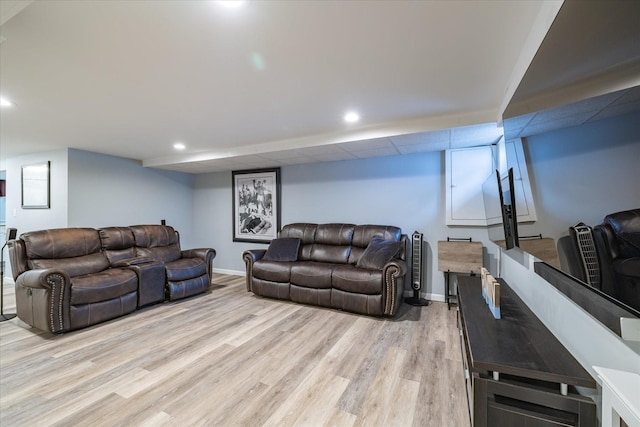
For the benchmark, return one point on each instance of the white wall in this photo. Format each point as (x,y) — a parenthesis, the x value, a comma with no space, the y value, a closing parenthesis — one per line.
(591,343)
(580,173)
(107,190)
(406,191)
(583,173)
(36,219)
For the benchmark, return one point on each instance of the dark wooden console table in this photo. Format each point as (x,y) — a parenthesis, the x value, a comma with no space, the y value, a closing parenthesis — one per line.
(517,372)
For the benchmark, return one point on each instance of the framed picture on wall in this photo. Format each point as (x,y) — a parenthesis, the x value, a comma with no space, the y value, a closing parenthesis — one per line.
(256,205)
(35,186)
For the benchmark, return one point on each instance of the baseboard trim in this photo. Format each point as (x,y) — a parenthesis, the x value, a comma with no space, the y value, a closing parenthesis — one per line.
(430,297)
(229,272)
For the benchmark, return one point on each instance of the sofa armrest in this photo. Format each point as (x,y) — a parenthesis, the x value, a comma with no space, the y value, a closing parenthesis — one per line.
(399,264)
(205,254)
(43,298)
(254,254)
(393,275)
(250,256)
(17,257)
(602,240)
(202,253)
(43,278)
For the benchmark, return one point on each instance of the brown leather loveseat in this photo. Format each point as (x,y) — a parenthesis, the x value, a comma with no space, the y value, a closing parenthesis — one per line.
(356,268)
(617,242)
(70,278)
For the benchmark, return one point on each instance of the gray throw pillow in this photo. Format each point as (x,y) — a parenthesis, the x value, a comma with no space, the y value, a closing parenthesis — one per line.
(283,249)
(378,253)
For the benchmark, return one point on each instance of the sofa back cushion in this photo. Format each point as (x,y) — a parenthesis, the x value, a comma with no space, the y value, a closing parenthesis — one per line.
(334,234)
(118,243)
(305,232)
(339,243)
(332,243)
(74,250)
(626,229)
(159,242)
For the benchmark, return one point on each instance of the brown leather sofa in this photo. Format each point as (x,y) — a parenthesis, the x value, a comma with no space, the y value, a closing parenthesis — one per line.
(356,268)
(617,242)
(187,272)
(71,278)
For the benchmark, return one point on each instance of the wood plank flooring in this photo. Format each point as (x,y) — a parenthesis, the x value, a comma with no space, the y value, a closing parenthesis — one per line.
(230,358)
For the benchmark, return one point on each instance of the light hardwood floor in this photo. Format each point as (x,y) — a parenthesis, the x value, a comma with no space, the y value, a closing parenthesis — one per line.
(230,358)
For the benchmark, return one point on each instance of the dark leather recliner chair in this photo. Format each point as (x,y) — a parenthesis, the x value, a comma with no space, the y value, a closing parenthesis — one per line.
(617,242)
(187,272)
(119,246)
(64,281)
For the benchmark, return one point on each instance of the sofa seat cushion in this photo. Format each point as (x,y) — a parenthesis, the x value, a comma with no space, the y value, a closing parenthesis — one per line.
(103,286)
(313,296)
(358,280)
(310,274)
(357,303)
(270,289)
(627,267)
(273,271)
(185,268)
(186,288)
(84,315)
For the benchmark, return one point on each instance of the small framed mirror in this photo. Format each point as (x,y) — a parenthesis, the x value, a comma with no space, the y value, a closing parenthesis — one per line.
(36,186)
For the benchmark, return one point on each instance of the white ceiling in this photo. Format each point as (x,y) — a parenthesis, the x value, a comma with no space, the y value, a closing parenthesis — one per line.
(587,68)
(262,85)
(573,114)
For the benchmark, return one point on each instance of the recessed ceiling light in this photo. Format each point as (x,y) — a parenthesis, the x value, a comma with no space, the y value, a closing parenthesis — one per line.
(179,146)
(231,4)
(351,117)
(4,102)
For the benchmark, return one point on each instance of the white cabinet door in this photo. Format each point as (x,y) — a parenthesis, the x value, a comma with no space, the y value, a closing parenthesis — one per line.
(466,170)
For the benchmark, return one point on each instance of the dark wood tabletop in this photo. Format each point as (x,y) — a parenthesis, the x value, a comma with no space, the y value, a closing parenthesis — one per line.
(518,343)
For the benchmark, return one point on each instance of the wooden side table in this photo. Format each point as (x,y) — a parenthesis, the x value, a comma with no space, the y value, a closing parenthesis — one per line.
(458,257)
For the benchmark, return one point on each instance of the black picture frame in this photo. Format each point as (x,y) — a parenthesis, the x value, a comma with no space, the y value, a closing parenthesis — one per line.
(256,205)
(35,186)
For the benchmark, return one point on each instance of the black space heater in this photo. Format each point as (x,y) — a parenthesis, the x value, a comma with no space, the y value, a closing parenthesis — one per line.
(416,271)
